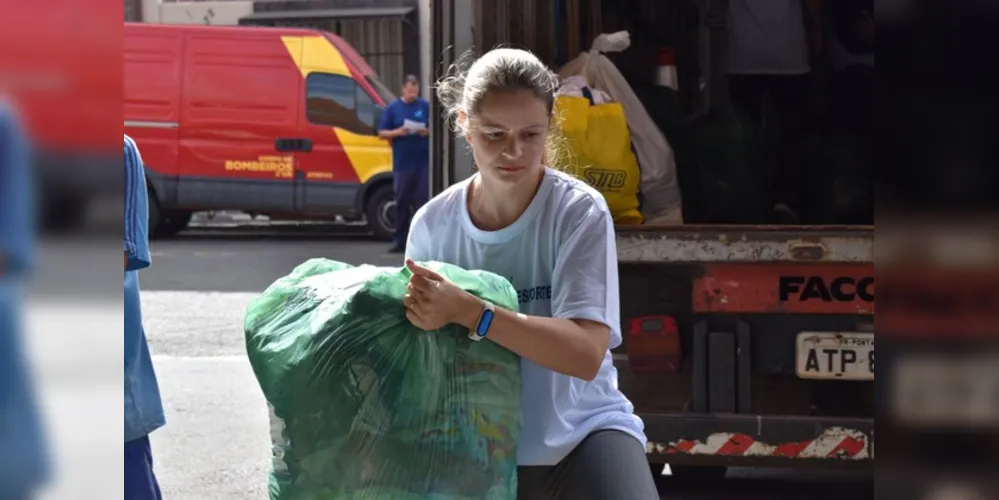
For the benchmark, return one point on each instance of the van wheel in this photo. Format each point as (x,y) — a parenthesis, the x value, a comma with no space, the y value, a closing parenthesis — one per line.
(380,212)
(155,215)
(174,221)
(165,223)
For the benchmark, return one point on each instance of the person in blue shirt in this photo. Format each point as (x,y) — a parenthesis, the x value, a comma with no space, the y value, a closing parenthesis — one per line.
(24,460)
(405,123)
(143,407)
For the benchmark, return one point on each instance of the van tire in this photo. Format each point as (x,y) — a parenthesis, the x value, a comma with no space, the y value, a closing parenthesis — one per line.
(174,221)
(379,211)
(155,215)
(165,223)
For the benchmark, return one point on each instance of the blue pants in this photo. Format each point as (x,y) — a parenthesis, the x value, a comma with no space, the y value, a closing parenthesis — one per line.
(411,192)
(140,481)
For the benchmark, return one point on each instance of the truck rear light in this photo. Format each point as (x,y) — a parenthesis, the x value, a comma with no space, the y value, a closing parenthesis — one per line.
(653,345)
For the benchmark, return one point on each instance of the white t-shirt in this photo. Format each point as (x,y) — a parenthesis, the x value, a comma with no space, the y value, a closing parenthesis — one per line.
(561,257)
(767,37)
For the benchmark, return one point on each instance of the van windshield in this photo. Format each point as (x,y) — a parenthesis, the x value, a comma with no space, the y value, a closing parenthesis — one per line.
(382,89)
(348,52)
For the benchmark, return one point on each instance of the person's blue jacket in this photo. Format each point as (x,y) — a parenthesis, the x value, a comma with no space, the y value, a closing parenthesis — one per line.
(24,464)
(143,407)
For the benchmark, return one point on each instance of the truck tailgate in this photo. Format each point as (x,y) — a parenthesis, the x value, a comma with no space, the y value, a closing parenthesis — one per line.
(761,269)
(775,344)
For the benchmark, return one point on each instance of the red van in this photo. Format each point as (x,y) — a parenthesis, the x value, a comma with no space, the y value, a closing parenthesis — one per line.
(65,88)
(274,121)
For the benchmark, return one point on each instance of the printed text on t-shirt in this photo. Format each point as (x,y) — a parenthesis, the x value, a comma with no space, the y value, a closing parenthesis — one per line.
(534,293)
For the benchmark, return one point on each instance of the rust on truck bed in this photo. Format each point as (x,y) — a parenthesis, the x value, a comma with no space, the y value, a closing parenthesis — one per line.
(749,244)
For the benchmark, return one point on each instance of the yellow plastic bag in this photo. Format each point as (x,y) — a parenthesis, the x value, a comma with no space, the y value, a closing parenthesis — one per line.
(599,152)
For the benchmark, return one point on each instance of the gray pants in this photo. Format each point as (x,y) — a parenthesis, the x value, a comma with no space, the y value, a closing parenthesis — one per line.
(607,465)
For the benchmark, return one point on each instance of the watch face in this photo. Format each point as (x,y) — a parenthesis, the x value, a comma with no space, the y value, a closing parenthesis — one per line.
(484,322)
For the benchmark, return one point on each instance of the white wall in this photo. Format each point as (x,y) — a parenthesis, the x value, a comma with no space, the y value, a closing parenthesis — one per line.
(220,13)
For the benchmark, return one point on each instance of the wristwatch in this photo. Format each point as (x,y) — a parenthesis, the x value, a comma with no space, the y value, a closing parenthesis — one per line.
(485,320)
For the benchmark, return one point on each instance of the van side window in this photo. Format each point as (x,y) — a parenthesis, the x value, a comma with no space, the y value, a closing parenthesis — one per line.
(338,101)
(365,107)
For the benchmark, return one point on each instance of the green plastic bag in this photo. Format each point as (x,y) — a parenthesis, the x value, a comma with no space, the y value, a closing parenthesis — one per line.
(364,405)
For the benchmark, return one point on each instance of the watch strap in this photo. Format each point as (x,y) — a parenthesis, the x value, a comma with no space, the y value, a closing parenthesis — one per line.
(485,321)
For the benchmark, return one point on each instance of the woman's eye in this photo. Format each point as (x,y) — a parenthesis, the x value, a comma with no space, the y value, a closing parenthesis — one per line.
(494,136)
(532,135)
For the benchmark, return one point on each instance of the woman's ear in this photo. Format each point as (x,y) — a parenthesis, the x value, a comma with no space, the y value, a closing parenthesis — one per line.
(463,124)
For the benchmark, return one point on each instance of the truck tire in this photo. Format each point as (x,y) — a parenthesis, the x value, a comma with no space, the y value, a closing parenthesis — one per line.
(380,212)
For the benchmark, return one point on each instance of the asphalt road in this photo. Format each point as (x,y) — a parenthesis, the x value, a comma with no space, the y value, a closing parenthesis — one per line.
(216,443)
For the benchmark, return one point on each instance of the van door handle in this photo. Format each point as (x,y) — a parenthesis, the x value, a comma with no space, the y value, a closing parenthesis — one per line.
(292,144)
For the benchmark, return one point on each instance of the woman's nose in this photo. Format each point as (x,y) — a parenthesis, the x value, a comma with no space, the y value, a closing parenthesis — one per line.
(513,149)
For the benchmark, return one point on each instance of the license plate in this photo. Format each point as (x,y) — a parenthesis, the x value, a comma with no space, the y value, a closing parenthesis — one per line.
(835,355)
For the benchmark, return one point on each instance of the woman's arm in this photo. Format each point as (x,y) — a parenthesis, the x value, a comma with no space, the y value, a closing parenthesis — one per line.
(574,347)
(585,309)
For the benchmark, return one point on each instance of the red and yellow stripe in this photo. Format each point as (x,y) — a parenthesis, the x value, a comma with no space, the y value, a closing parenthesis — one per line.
(368,155)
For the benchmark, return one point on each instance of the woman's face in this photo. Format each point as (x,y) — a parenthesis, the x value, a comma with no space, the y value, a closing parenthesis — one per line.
(507,135)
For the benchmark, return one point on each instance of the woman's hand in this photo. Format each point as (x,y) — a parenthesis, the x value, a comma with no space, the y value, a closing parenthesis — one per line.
(433,301)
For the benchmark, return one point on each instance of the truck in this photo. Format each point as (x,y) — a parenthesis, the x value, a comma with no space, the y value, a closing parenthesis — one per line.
(746,343)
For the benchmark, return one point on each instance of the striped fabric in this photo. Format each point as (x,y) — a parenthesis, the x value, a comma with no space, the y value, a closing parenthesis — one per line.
(136,209)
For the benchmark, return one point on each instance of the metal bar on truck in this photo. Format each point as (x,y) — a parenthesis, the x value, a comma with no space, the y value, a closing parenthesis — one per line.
(725,439)
(748,244)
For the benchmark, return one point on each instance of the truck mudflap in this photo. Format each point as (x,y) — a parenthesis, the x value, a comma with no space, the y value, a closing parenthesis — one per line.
(759,440)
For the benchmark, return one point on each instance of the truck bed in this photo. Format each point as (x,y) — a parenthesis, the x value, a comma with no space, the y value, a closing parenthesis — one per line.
(741,297)
(745,244)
